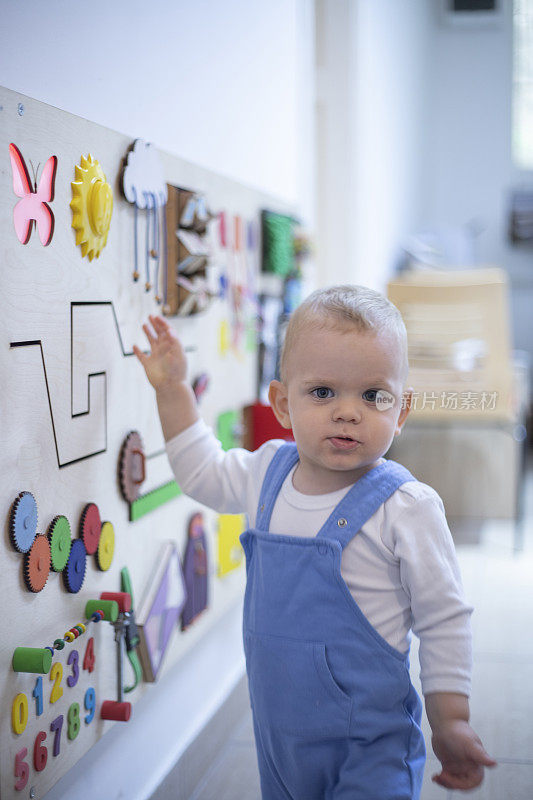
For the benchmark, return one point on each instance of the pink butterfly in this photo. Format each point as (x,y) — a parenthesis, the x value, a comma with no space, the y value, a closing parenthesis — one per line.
(34,204)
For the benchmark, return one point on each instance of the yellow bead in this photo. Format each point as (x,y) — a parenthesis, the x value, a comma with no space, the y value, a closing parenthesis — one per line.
(68,637)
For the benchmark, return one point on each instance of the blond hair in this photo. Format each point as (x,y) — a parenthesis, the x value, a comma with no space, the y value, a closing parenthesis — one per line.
(345,306)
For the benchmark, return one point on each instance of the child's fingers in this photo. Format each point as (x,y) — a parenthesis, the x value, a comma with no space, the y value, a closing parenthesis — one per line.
(160,324)
(149,335)
(140,355)
(462,781)
(476,752)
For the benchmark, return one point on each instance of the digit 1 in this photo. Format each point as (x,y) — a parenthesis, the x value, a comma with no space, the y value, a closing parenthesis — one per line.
(38,695)
(56,727)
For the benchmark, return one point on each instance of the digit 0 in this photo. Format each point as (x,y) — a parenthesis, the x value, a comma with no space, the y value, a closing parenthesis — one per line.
(19,713)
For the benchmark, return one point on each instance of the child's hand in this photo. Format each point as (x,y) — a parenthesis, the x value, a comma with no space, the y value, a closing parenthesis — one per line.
(165,365)
(462,755)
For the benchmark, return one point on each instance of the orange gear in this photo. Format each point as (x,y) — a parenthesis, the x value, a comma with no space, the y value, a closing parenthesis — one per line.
(37,564)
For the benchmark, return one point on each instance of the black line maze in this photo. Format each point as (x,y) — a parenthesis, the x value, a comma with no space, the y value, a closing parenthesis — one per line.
(38,342)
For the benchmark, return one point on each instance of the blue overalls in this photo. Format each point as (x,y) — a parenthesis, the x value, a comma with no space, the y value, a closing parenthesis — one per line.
(335,714)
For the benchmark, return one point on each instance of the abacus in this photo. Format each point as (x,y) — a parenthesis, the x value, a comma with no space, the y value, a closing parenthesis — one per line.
(35,659)
(113,607)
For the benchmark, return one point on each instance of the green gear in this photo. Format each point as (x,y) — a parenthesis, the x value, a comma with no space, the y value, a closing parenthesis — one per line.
(60,542)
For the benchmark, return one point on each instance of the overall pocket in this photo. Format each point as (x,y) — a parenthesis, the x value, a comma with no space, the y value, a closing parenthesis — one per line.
(292,688)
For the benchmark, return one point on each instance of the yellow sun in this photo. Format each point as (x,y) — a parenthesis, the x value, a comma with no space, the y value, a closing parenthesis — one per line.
(92,206)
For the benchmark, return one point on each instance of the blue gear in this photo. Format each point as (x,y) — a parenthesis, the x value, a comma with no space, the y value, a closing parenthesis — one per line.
(23,522)
(74,572)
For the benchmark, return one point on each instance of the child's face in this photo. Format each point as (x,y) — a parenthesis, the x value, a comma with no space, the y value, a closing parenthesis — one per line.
(329,399)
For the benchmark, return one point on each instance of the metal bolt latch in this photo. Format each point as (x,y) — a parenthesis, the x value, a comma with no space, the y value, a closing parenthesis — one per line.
(342,523)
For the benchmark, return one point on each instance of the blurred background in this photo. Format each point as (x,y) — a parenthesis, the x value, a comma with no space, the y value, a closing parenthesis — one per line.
(401,132)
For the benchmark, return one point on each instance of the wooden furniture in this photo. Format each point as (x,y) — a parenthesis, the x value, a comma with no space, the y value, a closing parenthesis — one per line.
(463,435)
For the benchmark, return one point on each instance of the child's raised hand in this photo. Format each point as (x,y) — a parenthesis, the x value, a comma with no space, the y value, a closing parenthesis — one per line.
(166,364)
(462,755)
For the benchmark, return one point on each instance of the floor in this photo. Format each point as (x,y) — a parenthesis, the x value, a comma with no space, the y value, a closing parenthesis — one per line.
(498,579)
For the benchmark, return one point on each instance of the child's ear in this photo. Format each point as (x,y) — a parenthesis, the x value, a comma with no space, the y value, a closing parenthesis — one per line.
(277,395)
(407,399)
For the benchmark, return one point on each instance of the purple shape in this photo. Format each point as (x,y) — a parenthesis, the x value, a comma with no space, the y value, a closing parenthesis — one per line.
(195,572)
(165,611)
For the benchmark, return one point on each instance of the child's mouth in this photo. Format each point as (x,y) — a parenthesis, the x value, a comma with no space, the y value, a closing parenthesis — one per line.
(344,442)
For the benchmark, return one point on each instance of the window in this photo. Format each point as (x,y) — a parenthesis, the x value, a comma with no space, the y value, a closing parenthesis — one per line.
(522,136)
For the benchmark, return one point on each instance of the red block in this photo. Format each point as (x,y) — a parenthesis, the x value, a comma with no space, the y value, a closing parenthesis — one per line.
(260,425)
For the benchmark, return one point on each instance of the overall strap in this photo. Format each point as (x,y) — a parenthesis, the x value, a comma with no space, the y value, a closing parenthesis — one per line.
(363,500)
(278,469)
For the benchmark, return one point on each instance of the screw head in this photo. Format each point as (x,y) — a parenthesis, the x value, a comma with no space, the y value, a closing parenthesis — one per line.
(32,792)
(20,109)
(342,523)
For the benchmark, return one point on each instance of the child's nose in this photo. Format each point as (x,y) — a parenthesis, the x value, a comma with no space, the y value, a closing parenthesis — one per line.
(347,411)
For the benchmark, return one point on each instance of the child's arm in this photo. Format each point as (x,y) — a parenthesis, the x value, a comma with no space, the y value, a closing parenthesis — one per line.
(229,482)
(456,745)
(166,369)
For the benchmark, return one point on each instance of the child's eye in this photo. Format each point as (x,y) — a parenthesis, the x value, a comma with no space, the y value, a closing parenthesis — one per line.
(322,393)
(370,395)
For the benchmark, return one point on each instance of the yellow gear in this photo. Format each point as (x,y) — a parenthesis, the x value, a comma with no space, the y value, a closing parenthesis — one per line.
(106,547)
(92,207)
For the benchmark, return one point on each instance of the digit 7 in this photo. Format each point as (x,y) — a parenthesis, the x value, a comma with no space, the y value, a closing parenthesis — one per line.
(56,727)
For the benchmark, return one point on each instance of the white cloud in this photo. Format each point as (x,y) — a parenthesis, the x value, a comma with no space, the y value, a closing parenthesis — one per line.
(143,176)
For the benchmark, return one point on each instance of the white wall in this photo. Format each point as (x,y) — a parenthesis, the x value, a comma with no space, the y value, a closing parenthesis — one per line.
(372,116)
(213,82)
(390,117)
(469,165)
(230,86)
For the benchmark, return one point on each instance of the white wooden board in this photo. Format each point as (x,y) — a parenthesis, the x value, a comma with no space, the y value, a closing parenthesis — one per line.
(86,316)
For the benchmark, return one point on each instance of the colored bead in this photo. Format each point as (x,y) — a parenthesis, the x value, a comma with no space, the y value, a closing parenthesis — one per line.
(75,632)
(101,613)
(95,617)
(51,649)
(69,637)
(80,627)
(59,644)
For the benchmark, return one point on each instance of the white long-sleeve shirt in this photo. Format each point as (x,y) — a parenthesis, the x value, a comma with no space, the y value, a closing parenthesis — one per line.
(400,568)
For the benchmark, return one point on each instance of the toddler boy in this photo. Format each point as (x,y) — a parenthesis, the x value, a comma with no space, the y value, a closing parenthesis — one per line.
(346,554)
